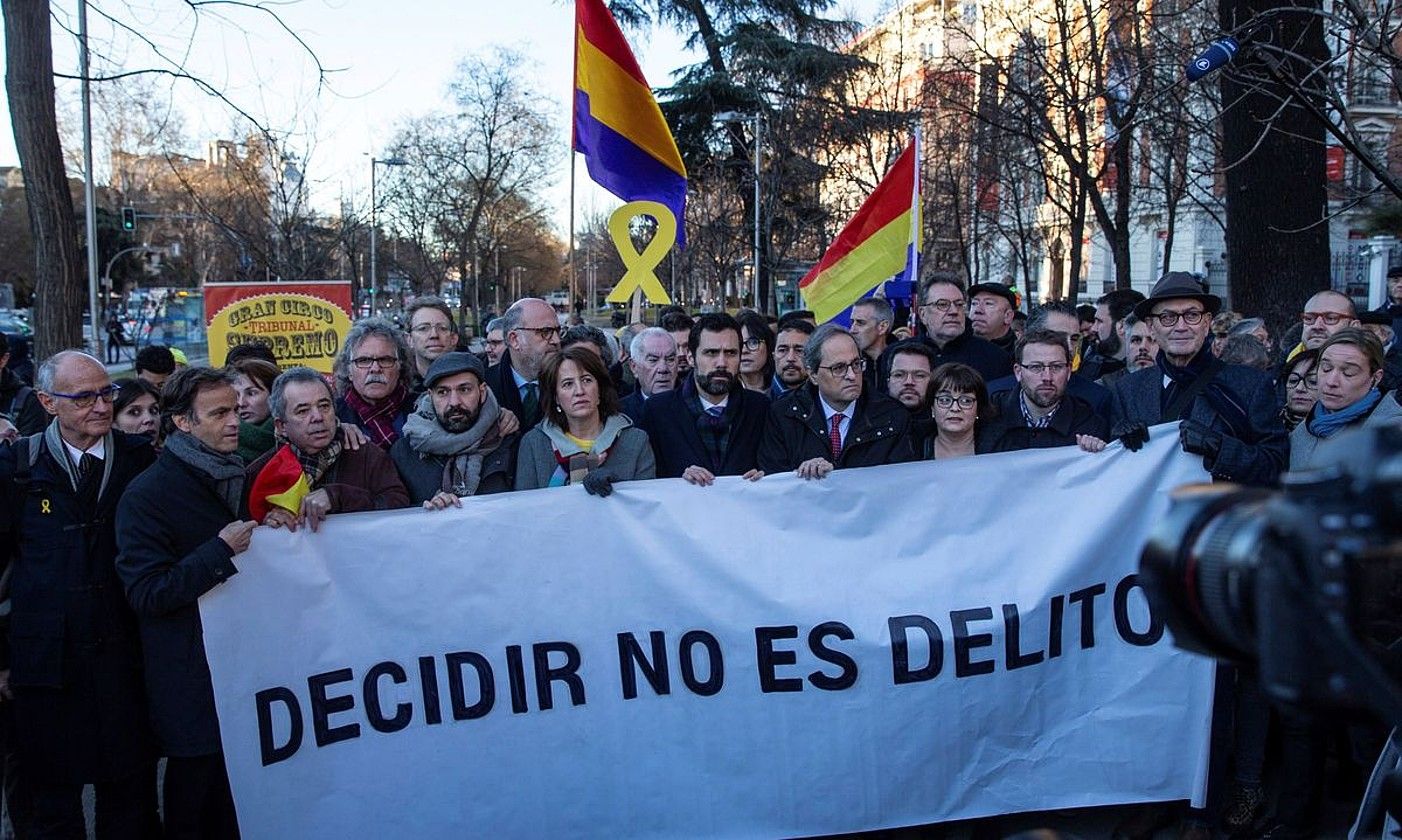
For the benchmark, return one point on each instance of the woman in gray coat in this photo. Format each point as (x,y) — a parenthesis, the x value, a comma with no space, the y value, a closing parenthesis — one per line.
(582,437)
(1348,373)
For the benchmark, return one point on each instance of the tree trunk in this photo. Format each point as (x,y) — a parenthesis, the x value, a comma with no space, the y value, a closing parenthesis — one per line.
(1120,242)
(29,84)
(1280,186)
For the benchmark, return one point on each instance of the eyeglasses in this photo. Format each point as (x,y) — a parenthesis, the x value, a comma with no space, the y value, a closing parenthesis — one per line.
(367,362)
(1039,368)
(87,398)
(1192,317)
(752,343)
(495,342)
(944,305)
(1295,381)
(841,369)
(949,400)
(1333,319)
(912,375)
(543,333)
(431,329)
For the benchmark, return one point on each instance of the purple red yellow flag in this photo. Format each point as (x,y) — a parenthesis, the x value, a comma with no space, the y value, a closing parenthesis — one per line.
(880,242)
(281,483)
(618,126)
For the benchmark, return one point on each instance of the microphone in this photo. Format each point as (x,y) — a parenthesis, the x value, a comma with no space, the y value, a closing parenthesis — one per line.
(1218,53)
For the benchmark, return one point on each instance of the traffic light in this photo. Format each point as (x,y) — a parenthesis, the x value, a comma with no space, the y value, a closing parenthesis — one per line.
(128,219)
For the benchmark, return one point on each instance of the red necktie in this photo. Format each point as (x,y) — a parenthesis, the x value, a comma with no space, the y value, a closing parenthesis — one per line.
(835,437)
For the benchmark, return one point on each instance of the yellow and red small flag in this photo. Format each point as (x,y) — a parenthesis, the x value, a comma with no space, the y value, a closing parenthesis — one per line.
(281,483)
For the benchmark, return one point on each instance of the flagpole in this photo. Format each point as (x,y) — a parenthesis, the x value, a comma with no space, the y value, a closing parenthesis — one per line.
(915,238)
(573,293)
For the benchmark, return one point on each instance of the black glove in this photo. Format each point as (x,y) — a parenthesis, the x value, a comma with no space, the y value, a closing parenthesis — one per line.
(1198,439)
(599,483)
(1134,436)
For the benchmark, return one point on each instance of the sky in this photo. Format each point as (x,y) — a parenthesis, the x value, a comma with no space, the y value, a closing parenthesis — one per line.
(387,62)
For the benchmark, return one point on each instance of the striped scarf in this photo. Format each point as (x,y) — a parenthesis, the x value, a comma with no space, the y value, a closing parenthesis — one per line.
(377,418)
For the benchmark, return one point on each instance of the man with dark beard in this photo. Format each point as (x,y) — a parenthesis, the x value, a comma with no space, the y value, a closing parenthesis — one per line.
(908,382)
(451,447)
(789,372)
(711,425)
(1040,413)
(1106,360)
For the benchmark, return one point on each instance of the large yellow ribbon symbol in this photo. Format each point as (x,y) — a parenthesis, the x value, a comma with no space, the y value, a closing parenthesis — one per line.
(640,265)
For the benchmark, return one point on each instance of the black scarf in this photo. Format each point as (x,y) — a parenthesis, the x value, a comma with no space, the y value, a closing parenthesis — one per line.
(1224,401)
(225,469)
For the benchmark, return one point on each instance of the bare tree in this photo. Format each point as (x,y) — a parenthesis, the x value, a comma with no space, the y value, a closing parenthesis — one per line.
(490,153)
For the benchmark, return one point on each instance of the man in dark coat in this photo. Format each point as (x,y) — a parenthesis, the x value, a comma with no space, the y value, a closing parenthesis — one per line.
(830,423)
(179,526)
(451,447)
(75,655)
(947,330)
(1040,413)
(1060,316)
(1227,414)
(652,358)
(18,401)
(343,478)
(1392,306)
(711,425)
(532,333)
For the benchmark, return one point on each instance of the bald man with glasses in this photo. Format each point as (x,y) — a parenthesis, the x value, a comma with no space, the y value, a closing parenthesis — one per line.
(1227,414)
(72,676)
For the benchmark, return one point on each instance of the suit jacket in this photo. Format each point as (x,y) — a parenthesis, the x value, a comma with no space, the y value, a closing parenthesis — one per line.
(1257,457)
(631,406)
(676,443)
(796,431)
(503,386)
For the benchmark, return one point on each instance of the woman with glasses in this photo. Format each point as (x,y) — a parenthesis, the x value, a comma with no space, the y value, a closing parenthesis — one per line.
(960,401)
(756,351)
(1348,374)
(253,380)
(582,437)
(1301,389)
(137,408)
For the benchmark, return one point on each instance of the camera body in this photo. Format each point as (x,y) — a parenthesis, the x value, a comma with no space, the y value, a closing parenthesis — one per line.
(1303,584)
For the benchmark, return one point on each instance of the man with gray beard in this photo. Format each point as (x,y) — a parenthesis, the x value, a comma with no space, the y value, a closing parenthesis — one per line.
(451,445)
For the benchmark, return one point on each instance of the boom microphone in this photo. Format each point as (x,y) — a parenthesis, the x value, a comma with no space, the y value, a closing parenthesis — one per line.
(1217,54)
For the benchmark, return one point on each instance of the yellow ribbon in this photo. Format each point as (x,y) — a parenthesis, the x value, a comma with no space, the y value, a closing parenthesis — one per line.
(44,506)
(642,264)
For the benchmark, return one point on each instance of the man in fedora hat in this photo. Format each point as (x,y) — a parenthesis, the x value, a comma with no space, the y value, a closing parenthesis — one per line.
(1226,413)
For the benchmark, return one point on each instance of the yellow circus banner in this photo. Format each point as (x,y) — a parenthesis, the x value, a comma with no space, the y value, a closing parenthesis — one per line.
(303,322)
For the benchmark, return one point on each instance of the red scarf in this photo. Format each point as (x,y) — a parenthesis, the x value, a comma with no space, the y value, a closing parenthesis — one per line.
(377,418)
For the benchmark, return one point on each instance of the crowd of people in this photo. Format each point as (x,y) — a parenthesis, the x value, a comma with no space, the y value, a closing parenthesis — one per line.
(124,502)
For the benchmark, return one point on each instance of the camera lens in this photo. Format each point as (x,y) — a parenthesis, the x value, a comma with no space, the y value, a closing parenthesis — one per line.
(1199,568)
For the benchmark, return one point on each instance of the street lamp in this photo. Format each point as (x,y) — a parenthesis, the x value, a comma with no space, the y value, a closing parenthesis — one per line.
(375,224)
(757,119)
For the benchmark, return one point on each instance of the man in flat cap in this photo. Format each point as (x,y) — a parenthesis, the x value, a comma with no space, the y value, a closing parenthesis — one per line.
(451,445)
(1226,413)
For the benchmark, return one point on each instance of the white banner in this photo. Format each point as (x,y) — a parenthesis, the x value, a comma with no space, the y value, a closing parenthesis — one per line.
(887,647)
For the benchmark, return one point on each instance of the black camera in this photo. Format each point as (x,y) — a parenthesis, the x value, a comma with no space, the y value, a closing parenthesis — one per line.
(1303,584)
